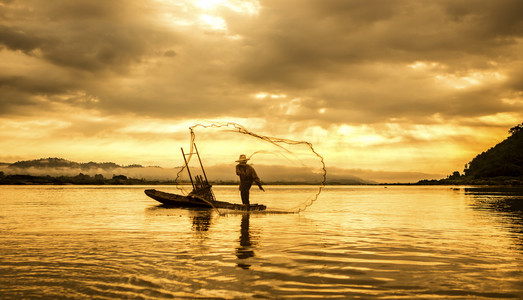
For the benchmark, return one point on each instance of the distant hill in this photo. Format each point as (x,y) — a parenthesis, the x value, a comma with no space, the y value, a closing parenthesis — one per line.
(55,162)
(504,159)
(223,174)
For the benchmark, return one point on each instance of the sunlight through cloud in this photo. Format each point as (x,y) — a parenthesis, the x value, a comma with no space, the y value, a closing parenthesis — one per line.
(421,65)
(242,6)
(213,22)
(469,80)
(267,95)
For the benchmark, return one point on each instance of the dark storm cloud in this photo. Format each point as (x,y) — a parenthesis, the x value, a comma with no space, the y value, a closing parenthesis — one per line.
(19,93)
(304,47)
(320,36)
(18,40)
(40,85)
(95,46)
(81,45)
(84,35)
(347,57)
(516,78)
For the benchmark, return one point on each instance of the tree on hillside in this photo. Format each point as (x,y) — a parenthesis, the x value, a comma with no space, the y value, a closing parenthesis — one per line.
(516,129)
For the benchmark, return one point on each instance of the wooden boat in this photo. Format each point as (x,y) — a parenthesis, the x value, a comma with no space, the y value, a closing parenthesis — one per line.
(201,195)
(175,200)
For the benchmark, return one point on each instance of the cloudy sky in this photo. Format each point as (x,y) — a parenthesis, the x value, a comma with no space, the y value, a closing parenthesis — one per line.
(402,88)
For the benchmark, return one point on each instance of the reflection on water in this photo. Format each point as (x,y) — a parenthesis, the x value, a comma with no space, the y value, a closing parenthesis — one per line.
(508,199)
(506,202)
(354,242)
(245,250)
(202,220)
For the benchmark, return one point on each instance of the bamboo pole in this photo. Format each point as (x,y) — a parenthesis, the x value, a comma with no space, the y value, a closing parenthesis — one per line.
(187,166)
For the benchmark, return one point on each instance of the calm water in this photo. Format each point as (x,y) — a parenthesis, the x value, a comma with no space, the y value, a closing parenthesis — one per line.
(367,242)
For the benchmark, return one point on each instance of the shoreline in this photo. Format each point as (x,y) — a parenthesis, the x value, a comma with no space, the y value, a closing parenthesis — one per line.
(81,179)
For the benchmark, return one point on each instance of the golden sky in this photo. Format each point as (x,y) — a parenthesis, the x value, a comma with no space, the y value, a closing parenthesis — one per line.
(404,88)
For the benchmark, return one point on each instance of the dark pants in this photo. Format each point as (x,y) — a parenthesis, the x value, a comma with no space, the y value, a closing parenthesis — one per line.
(244,192)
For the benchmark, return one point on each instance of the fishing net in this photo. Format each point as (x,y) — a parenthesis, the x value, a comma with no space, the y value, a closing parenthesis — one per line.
(276,161)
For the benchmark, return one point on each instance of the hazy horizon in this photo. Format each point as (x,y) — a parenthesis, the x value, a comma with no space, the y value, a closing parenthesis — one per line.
(226,172)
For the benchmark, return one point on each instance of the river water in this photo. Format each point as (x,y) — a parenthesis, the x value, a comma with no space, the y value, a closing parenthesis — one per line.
(113,242)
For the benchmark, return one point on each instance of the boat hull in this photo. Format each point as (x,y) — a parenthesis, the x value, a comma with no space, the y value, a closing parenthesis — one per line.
(175,200)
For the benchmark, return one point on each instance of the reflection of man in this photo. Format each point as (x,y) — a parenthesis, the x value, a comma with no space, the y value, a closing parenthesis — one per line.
(245,250)
(247,177)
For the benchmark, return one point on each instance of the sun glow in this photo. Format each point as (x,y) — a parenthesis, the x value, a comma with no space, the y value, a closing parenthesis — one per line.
(209,4)
(267,95)
(501,119)
(422,65)
(470,79)
(457,80)
(213,22)
(241,6)
(207,14)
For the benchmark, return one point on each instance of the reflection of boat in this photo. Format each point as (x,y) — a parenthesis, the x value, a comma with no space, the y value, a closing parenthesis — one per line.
(201,221)
(201,195)
(175,200)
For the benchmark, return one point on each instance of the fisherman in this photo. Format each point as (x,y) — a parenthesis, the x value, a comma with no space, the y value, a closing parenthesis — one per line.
(247,177)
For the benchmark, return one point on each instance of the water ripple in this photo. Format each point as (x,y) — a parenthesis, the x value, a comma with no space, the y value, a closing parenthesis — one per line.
(388,246)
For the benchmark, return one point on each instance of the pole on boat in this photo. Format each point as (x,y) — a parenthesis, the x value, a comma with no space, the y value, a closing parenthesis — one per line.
(206,183)
(187,166)
(201,165)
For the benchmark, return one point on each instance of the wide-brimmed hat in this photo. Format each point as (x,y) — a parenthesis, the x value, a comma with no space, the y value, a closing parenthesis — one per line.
(242,158)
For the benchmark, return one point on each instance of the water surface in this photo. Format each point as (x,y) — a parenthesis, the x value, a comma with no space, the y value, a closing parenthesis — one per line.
(369,242)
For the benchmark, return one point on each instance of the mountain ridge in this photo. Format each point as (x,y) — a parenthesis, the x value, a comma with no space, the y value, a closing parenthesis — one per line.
(57,167)
(55,162)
